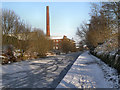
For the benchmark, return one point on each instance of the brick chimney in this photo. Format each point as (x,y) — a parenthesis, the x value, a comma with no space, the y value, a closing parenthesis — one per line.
(47,22)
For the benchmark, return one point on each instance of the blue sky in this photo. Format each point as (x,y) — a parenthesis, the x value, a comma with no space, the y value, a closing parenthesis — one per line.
(65,17)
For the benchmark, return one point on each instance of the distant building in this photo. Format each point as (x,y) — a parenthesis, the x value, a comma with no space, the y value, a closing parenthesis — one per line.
(22,36)
(56,39)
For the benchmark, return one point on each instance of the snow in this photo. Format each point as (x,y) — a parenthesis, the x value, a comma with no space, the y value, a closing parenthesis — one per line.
(56,37)
(86,72)
(110,45)
(23,66)
(2,56)
(90,72)
(37,73)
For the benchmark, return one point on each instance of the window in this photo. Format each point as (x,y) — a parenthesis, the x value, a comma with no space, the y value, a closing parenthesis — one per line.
(56,40)
(56,47)
(53,47)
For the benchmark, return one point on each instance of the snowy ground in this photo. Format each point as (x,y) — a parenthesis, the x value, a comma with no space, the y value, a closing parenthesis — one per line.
(40,73)
(90,72)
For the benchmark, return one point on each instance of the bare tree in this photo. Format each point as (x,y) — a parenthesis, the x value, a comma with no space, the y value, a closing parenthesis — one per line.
(14,30)
(67,45)
(38,42)
(99,28)
(8,21)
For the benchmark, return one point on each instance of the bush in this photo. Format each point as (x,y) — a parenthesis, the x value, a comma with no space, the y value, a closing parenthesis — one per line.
(117,62)
(39,43)
(112,60)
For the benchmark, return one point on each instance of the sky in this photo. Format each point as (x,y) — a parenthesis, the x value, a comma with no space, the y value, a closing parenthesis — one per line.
(65,17)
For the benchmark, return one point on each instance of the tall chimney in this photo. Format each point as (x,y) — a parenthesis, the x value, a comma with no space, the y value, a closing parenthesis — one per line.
(47,22)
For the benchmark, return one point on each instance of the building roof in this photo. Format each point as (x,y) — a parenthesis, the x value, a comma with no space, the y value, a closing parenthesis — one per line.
(56,37)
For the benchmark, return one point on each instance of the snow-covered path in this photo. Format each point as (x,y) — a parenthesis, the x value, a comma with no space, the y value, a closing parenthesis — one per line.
(39,73)
(90,72)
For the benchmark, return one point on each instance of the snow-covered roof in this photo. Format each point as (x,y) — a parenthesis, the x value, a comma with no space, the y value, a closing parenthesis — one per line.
(56,37)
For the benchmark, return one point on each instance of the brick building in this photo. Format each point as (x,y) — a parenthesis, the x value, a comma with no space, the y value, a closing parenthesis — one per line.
(56,39)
